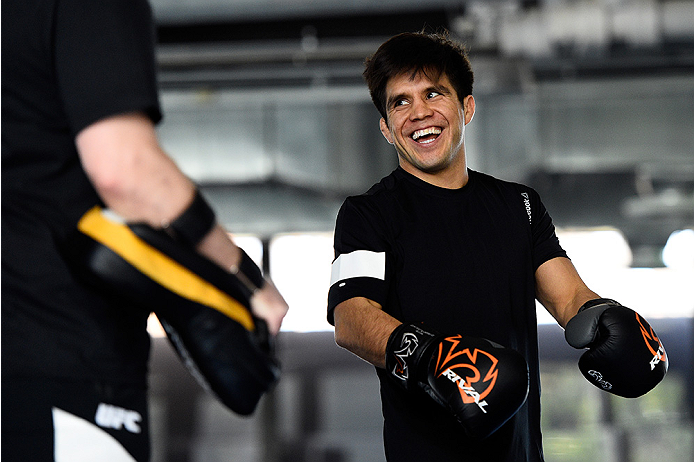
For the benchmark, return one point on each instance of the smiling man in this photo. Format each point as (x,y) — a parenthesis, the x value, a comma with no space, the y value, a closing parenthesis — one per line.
(426,124)
(437,269)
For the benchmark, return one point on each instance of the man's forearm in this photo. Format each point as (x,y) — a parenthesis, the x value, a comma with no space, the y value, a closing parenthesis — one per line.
(363,328)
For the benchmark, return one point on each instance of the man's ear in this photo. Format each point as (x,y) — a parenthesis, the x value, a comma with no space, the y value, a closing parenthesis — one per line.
(469,108)
(385,130)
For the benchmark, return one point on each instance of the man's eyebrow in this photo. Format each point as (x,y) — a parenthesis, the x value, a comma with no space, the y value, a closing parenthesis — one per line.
(392,99)
(440,88)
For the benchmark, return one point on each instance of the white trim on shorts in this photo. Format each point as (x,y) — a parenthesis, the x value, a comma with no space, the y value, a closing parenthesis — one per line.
(78,440)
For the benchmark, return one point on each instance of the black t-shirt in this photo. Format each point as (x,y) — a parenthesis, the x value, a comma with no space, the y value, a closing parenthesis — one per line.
(65,65)
(462,262)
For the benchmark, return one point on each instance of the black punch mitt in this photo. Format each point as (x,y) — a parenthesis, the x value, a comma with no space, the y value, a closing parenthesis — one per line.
(204,310)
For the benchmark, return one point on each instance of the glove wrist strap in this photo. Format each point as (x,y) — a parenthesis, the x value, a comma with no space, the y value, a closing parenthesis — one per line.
(194,223)
(597,302)
(406,346)
(248,273)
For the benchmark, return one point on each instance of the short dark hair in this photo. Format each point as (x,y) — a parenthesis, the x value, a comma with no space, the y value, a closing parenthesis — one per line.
(433,54)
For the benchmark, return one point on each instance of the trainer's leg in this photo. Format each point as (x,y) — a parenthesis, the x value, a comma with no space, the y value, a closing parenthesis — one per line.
(27,425)
(45,420)
(108,423)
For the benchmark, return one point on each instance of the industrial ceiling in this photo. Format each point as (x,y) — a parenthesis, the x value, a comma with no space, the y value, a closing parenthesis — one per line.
(590,102)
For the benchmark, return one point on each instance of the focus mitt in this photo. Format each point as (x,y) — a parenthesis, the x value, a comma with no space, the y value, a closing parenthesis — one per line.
(204,310)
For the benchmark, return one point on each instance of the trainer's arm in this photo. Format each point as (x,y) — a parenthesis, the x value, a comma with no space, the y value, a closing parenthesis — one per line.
(140,182)
(560,289)
(362,327)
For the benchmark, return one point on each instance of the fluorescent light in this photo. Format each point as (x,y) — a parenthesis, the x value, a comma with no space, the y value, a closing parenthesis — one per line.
(601,247)
(300,267)
(678,252)
(602,258)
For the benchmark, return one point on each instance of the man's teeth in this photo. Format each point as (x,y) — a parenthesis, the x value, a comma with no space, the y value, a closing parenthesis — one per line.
(427,131)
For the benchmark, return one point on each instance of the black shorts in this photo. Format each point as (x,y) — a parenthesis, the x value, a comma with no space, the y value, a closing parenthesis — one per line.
(49,420)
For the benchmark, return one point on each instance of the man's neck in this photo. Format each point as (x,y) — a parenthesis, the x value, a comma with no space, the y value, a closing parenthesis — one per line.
(450,178)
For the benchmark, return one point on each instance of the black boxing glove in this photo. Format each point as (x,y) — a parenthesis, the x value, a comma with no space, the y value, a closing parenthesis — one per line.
(625,356)
(480,382)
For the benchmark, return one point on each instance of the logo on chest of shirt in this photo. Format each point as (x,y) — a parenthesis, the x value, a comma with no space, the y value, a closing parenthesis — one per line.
(526,201)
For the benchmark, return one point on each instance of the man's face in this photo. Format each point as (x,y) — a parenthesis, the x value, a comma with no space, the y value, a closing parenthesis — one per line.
(426,123)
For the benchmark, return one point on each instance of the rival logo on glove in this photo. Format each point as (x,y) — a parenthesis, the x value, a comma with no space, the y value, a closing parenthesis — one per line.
(479,361)
(600,380)
(409,345)
(468,390)
(652,342)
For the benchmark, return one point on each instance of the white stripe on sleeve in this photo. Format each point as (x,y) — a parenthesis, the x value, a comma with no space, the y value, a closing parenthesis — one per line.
(360,263)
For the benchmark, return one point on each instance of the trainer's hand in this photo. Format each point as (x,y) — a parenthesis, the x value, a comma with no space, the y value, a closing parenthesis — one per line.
(268,304)
(265,300)
(480,382)
(625,356)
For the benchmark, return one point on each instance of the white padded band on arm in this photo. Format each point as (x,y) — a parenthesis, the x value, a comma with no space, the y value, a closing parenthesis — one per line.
(360,263)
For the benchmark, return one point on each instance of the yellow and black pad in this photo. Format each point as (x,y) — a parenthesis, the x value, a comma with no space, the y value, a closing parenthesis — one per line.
(204,310)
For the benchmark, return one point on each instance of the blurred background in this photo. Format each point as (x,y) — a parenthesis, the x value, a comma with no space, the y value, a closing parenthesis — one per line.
(591,102)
